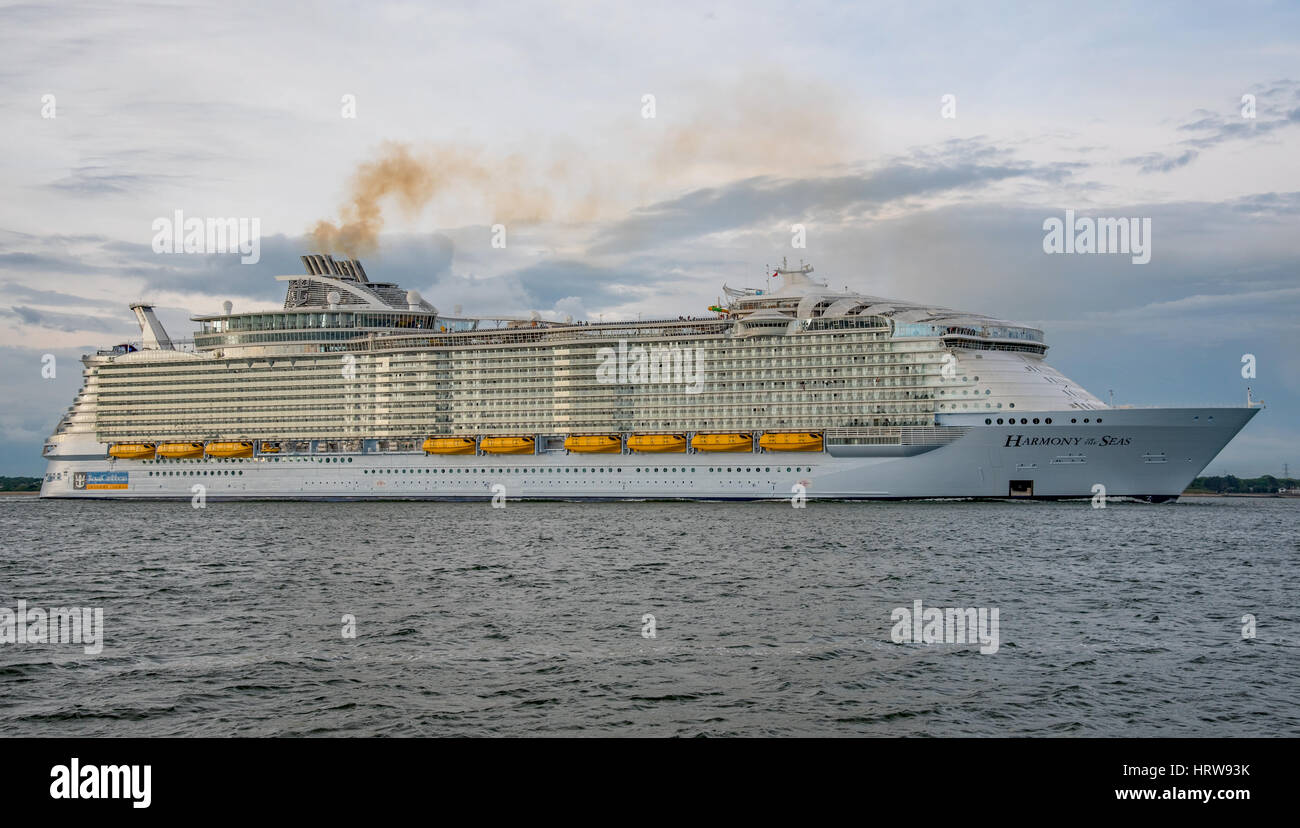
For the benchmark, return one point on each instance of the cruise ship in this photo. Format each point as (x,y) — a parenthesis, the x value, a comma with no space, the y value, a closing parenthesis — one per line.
(360,389)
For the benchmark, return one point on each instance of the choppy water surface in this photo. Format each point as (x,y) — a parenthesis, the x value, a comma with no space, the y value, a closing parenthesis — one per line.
(770,620)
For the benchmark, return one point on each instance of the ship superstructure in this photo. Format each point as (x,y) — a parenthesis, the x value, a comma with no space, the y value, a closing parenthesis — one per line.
(357,388)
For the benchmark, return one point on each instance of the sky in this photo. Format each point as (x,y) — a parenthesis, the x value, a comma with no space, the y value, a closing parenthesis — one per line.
(638,156)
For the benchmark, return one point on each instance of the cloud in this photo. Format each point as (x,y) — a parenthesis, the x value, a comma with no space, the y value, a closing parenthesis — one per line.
(32,403)
(102,179)
(14,290)
(55,320)
(762,200)
(1275,109)
(1154,162)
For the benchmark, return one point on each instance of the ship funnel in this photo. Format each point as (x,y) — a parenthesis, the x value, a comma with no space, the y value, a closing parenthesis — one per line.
(322,264)
(152,334)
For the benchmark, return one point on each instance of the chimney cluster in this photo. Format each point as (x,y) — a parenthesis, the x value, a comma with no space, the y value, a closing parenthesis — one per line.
(319,264)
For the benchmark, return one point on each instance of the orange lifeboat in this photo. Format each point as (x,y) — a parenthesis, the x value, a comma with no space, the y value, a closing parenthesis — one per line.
(229,449)
(594,443)
(723,442)
(657,443)
(132,451)
(791,441)
(449,445)
(508,445)
(179,451)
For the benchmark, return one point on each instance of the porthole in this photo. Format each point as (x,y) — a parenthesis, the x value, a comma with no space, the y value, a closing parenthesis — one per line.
(1048,421)
(988,421)
(1035,421)
(1099,419)
(1074,419)
(1085,419)
(999,421)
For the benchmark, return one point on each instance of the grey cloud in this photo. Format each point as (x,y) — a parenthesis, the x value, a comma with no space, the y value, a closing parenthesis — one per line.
(1272,204)
(38,263)
(32,403)
(549,282)
(407,260)
(14,290)
(1273,111)
(1154,162)
(553,286)
(763,199)
(97,179)
(61,321)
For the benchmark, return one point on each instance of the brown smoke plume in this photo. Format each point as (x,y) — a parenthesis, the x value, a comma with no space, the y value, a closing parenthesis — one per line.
(398,174)
(414,178)
(762,125)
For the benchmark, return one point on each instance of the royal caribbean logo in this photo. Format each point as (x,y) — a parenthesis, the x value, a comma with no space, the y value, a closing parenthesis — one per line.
(99,480)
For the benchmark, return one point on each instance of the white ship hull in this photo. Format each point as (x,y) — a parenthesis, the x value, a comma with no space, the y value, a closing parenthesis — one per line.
(1150,454)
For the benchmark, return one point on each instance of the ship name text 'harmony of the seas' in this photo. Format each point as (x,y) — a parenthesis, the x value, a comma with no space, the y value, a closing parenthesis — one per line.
(360,389)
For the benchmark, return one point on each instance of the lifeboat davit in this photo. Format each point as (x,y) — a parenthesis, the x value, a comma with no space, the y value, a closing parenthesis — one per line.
(231,449)
(132,451)
(180,450)
(449,445)
(723,442)
(657,443)
(594,443)
(791,441)
(508,445)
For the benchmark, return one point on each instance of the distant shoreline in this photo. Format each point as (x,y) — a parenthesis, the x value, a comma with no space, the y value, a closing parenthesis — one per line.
(1237,494)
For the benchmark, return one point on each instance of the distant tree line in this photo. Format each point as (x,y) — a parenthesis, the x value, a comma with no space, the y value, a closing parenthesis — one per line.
(20,484)
(1229,484)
